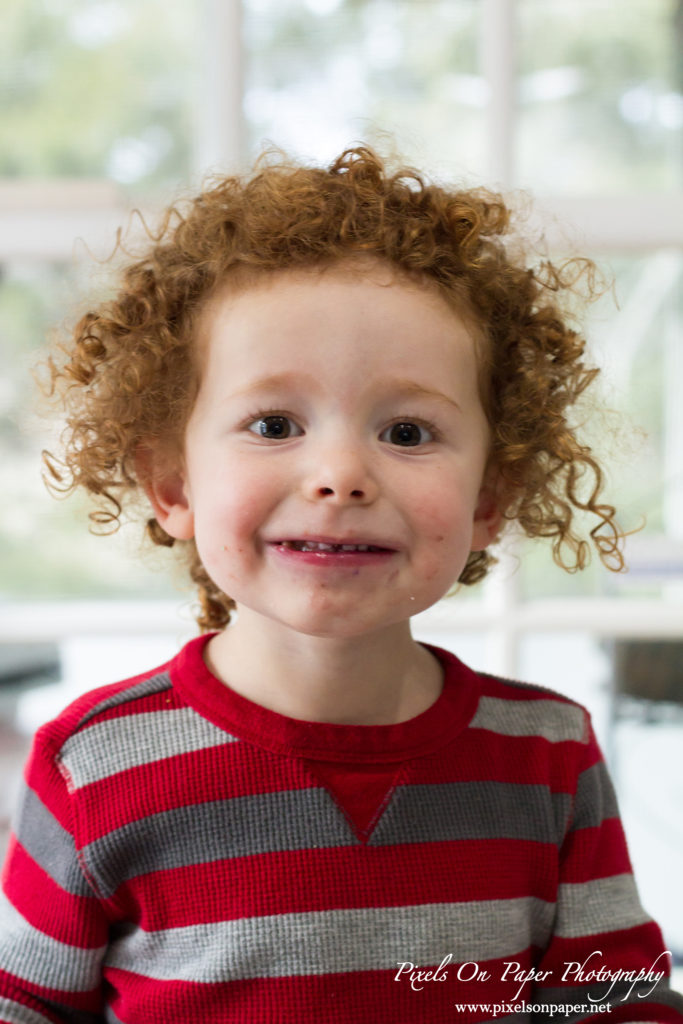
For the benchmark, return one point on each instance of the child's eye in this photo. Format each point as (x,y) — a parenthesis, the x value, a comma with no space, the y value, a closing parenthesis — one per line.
(407,434)
(275,427)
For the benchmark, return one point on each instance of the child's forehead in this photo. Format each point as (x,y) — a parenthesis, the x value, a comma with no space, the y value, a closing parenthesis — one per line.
(356,271)
(359,269)
(318,341)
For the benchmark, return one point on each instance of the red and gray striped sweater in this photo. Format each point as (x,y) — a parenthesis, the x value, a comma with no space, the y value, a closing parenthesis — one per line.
(183,854)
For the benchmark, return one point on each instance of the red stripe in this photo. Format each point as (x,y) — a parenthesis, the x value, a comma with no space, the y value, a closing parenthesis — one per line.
(480,755)
(26,1000)
(319,880)
(372,996)
(216,773)
(580,861)
(33,996)
(43,777)
(76,920)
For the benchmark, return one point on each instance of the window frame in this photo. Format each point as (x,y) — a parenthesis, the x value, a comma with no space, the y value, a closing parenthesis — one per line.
(43,223)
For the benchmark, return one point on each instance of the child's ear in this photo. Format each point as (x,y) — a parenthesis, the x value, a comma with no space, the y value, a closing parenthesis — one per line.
(488,515)
(164,484)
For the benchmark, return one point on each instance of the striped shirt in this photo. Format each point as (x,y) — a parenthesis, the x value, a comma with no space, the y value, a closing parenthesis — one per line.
(183,854)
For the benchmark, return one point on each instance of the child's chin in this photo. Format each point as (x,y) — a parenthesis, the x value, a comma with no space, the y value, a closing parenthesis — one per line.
(345,627)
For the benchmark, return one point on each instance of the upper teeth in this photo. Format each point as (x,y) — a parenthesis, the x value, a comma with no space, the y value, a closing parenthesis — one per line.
(310,545)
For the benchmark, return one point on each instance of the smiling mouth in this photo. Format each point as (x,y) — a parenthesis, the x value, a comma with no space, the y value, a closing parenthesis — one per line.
(309,545)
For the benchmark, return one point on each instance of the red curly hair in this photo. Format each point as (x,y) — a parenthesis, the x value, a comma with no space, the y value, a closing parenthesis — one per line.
(130,372)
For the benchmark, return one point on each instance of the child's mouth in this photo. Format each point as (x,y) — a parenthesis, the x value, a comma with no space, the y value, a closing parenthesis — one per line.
(310,545)
(332,553)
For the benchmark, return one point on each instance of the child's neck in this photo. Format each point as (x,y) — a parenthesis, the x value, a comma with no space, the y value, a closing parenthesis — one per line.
(377,679)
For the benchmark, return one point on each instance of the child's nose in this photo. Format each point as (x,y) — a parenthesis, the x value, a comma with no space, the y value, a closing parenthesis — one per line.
(341,478)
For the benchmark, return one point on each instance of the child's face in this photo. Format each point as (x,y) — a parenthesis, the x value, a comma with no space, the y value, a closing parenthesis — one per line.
(335,408)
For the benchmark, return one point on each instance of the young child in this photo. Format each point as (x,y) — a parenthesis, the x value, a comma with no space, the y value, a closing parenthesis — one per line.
(334,386)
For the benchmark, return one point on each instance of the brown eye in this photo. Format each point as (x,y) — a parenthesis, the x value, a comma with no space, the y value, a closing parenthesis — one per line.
(406,435)
(275,427)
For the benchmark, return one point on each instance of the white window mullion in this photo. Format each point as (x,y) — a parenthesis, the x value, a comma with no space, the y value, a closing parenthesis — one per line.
(498,60)
(499,66)
(220,137)
(503,598)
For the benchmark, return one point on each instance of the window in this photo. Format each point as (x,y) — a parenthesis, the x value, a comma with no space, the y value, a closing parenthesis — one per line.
(115,104)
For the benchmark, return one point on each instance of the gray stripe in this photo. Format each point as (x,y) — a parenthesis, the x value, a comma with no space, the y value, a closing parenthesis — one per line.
(154,684)
(49,844)
(309,818)
(15,1013)
(595,798)
(584,907)
(617,994)
(553,720)
(216,830)
(473,810)
(120,743)
(363,939)
(39,960)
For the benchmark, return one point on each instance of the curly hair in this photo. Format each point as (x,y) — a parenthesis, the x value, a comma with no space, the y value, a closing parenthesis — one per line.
(130,371)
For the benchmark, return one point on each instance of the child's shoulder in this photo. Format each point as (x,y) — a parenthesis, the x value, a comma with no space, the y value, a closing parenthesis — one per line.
(518,708)
(517,689)
(114,700)
(133,724)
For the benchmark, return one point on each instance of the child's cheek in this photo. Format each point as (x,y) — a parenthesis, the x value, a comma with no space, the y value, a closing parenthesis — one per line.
(445,528)
(435,516)
(223,526)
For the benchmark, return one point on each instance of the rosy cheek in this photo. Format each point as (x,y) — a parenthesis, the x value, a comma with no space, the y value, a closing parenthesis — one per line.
(437,519)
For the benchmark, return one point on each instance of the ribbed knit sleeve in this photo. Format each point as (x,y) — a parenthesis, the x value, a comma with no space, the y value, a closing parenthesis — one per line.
(605,949)
(53,932)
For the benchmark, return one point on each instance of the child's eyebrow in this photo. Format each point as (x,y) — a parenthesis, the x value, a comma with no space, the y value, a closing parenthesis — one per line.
(275,382)
(407,388)
(396,388)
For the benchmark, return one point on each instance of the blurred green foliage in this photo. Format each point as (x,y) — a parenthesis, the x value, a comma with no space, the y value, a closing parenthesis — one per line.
(97,88)
(600,98)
